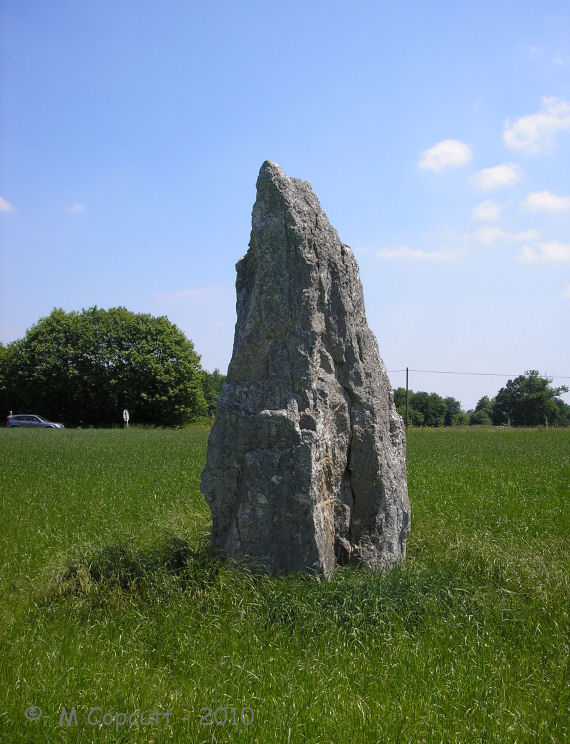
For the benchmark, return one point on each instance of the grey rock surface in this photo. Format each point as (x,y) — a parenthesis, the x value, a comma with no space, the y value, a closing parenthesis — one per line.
(306,463)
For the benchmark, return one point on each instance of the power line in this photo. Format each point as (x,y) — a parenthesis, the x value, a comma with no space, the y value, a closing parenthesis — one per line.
(479,374)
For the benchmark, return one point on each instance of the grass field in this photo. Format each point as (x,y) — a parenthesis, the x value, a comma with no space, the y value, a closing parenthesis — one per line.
(112,606)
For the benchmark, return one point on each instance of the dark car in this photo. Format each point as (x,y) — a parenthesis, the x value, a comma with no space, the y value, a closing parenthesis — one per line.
(28,419)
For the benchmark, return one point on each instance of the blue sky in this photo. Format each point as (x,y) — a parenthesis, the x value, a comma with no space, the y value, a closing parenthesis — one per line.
(436,136)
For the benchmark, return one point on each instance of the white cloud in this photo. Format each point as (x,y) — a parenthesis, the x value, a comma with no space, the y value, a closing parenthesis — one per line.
(527,254)
(525,235)
(487,211)
(498,176)
(552,251)
(488,235)
(566,292)
(5,206)
(534,133)
(544,201)
(404,251)
(491,235)
(76,209)
(446,154)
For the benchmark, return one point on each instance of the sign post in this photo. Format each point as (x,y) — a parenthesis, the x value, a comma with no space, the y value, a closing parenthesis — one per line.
(126,417)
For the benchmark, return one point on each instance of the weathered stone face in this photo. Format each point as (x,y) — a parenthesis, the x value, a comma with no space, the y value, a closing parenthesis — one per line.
(306,460)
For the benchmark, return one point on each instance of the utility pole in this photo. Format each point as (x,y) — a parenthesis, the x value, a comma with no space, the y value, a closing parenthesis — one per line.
(406,397)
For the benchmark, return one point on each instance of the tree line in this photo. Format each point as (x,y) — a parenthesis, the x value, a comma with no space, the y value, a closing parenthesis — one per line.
(85,368)
(528,400)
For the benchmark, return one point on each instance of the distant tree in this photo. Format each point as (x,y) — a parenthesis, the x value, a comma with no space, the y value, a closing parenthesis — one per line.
(485,404)
(480,417)
(421,404)
(400,397)
(3,358)
(426,409)
(211,385)
(453,408)
(528,400)
(86,367)
(460,419)
(432,407)
(415,418)
(563,415)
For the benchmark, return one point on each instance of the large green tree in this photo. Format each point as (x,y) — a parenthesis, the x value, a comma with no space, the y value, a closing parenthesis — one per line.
(86,367)
(528,400)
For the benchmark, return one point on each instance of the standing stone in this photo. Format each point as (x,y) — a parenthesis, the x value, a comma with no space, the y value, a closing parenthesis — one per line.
(306,464)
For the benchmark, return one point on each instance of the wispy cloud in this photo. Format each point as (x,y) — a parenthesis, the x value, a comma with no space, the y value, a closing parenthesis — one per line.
(550,251)
(76,209)
(5,205)
(545,201)
(498,176)
(492,235)
(566,292)
(487,211)
(449,153)
(405,252)
(534,133)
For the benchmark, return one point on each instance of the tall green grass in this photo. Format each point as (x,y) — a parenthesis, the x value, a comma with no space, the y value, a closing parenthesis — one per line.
(111,600)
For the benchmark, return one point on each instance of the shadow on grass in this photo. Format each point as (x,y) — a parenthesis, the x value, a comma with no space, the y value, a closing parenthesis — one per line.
(469,587)
(134,571)
(356,600)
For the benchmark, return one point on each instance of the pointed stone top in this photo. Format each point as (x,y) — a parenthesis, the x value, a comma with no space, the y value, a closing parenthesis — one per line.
(271,173)
(292,193)
(270,166)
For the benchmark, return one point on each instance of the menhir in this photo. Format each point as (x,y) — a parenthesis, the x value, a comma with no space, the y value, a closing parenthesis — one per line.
(306,464)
